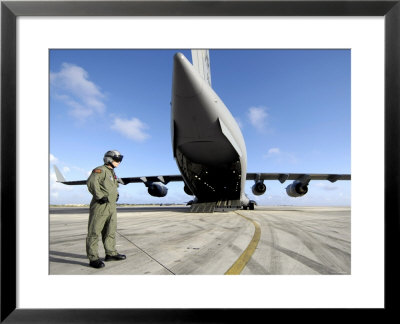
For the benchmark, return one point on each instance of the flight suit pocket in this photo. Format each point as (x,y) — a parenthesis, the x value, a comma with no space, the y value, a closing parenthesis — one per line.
(101,209)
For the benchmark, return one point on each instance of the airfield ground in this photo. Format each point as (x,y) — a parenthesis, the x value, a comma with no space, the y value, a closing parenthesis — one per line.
(169,240)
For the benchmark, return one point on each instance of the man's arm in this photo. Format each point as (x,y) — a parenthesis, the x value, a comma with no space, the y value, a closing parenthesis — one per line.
(93,184)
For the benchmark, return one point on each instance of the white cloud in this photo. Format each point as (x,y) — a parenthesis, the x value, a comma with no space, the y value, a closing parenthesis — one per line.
(55,186)
(53,159)
(73,87)
(64,194)
(327,186)
(55,194)
(274,151)
(258,117)
(133,129)
(280,156)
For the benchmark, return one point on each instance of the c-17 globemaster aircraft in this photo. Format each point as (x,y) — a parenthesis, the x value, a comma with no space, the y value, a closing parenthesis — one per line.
(209,148)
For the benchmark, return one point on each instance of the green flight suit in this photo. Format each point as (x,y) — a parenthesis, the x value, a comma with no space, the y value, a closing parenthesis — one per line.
(103,217)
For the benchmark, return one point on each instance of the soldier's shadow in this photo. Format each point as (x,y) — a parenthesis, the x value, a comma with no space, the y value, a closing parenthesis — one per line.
(52,258)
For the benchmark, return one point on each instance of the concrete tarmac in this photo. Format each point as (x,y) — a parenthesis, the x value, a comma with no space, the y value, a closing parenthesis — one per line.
(172,241)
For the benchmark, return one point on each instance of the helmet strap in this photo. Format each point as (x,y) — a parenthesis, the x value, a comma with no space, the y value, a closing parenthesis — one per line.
(109,164)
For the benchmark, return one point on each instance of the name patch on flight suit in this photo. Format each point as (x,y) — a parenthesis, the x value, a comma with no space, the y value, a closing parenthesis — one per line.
(96,171)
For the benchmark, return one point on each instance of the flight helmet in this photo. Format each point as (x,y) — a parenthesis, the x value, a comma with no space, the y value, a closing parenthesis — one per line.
(111,156)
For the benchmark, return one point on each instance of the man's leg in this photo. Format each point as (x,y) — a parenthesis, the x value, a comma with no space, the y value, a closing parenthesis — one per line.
(108,234)
(95,226)
(109,240)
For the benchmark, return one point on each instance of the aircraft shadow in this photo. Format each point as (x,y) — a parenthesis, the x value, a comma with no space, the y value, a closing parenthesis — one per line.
(154,209)
(73,210)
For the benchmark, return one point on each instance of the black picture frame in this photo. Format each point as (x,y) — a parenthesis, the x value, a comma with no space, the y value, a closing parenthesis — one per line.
(10,10)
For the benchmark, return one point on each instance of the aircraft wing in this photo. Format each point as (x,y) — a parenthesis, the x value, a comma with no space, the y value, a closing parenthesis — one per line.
(163,179)
(282,177)
(73,183)
(61,179)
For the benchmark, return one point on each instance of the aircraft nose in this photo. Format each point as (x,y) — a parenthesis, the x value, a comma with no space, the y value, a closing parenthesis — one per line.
(186,81)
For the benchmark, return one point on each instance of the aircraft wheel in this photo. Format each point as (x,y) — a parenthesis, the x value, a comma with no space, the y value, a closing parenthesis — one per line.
(244,207)
(251,206)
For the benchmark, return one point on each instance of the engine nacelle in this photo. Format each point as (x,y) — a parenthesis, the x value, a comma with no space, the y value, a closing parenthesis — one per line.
(157,189)
(297,189)
(259,188)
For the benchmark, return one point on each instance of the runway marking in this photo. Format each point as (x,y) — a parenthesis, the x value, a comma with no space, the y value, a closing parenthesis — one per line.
(245,257)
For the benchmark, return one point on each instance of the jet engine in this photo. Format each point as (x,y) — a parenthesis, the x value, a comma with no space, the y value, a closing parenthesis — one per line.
(259,188)
(156,189)
(297,189)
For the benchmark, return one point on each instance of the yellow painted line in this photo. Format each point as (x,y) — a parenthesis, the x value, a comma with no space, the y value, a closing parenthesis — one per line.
(245,257)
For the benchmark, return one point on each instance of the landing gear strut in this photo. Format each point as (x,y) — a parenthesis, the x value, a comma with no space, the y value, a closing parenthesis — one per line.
(250,205)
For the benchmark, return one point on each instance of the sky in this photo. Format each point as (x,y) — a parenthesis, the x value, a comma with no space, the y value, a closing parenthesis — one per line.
(293,108)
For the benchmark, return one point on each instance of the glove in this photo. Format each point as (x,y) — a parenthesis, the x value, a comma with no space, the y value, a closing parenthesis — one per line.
(103,200)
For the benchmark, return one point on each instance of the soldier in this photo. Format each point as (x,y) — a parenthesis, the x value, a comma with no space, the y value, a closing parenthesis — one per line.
(103,185)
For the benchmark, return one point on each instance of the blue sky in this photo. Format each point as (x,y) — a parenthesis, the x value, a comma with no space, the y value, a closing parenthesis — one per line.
(293,107)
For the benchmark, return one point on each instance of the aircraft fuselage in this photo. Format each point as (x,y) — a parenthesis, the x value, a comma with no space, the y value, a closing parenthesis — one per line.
(208,145)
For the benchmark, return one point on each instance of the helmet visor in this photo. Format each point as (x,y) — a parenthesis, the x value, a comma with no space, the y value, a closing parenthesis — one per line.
(118,158)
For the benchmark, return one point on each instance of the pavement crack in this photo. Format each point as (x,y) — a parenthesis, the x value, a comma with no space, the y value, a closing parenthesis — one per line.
(139,248)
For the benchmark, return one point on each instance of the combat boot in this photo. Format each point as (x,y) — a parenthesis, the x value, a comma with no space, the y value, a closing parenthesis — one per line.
(97,264)
(117,257)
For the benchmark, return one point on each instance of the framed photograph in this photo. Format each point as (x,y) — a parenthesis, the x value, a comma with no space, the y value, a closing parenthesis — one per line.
(370,29)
